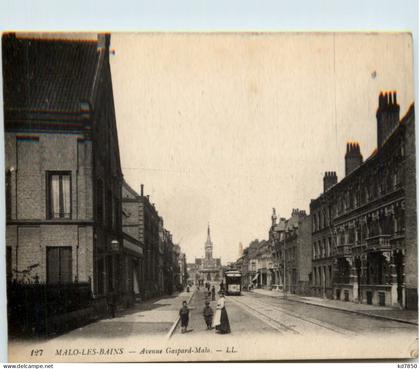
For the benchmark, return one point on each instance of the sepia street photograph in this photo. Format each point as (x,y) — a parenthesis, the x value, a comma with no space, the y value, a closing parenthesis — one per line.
(212,196)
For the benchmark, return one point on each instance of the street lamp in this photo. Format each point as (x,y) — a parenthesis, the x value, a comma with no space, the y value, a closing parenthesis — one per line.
(115,249)
(115,245)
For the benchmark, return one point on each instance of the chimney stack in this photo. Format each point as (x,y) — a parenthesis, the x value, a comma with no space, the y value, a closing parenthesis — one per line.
(353,158)
(330,179)
(141,189)
(387,116)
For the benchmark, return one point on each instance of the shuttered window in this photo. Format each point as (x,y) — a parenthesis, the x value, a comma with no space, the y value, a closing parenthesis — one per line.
(59,265)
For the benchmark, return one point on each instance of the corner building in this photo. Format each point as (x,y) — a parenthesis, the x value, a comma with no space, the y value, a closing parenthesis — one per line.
(364,228)
(63,172)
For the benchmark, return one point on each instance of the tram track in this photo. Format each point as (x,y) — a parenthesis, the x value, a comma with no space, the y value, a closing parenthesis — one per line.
(260,308)
(280,327)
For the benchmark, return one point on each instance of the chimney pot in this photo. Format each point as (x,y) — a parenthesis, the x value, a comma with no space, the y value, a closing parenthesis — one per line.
(387,117)
(353,158)
(330,179)
(141,189)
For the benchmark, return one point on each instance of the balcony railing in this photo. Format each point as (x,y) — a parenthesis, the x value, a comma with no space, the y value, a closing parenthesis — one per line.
(378,243)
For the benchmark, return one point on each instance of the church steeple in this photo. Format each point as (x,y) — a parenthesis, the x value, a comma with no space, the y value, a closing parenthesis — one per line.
(208,234)
(208,246)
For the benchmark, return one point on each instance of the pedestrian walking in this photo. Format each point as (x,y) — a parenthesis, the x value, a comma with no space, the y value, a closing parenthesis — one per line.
(208,315)
(221,319)
(213,294)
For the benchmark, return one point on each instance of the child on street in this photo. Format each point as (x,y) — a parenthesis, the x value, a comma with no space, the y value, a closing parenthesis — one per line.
(184,314)
(208,314)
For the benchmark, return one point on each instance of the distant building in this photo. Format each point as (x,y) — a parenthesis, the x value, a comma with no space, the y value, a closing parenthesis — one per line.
(183,273)
(254,263)
(209,268)
(153,260)
(132,245)
(291,251)
(264,265)
(364,227)
(193,275)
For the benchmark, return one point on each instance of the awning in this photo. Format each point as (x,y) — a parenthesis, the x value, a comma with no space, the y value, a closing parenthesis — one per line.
(256,277)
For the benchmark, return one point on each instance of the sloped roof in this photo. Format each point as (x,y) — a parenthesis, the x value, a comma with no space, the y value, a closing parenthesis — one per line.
(48,75)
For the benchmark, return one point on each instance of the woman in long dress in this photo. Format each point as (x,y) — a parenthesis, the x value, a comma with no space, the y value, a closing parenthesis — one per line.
(221,320)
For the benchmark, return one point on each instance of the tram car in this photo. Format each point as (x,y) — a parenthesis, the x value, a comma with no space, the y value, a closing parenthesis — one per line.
(233,282)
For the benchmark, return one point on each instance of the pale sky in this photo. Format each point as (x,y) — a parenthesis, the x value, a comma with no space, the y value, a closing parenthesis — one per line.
(221,128)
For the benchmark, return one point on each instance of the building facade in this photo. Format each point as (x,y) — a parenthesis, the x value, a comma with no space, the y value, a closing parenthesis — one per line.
(290,241)
(264,265)
(63,172)
(365,226)
(183,273)
(132,245)
(149,221)
(156,261)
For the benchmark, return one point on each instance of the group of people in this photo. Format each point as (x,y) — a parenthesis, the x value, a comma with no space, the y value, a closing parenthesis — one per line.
(218,320)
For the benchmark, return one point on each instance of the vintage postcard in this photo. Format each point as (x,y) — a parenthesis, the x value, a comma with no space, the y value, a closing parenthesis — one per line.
(210,196)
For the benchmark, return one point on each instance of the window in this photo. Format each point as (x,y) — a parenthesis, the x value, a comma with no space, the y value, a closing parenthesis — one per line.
(329,246)
(59,195)
(59,265)
(351,236)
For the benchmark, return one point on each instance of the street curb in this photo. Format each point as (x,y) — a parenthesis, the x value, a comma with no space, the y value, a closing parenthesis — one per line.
(346,310)
(172,330)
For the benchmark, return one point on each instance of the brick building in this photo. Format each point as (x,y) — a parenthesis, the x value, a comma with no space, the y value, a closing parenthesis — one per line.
(290,241)
(364,227)
(264,265)
(145,226)
(255,265)
(183,273)
(176,268)
(63,173)
(149,236)
(132,245)
(155,262)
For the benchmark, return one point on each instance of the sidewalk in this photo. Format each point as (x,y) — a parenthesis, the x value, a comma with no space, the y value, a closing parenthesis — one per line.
(151,317)
(374,311)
